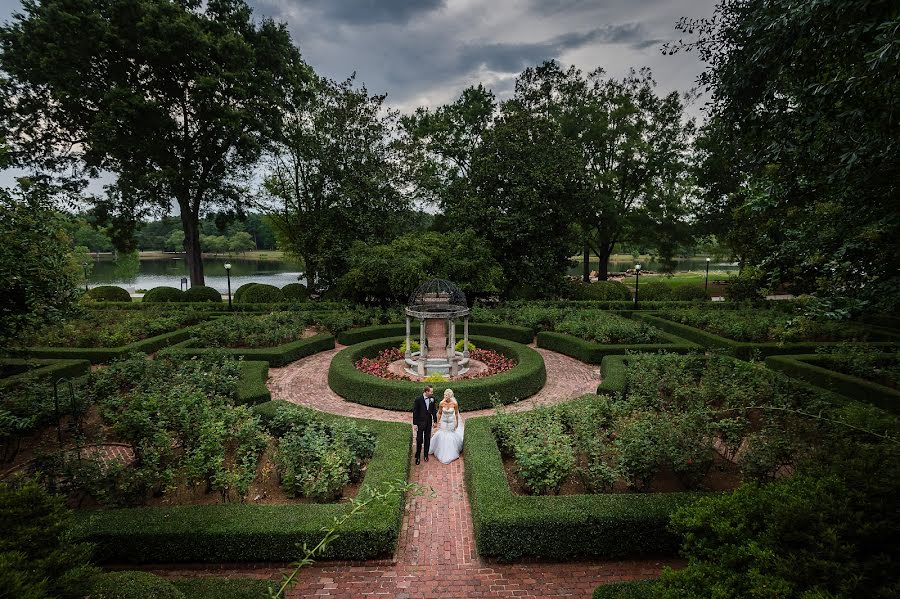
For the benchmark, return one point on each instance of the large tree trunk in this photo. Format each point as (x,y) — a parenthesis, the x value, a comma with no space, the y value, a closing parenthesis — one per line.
(604,251)
(586,275)
(192,251)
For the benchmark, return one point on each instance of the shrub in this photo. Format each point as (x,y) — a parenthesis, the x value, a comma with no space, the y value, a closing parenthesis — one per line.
(690,292)
(133,585)
(108,328)
(543,452)
(632,589)
(108,293)
(38,554)
(746,286)
(260,293)
(202,293)
(414,346)
(600,291)
(163,295)
(252,331)
(240,291)
(655,291)
(459,345)
(607,328)
(295,292)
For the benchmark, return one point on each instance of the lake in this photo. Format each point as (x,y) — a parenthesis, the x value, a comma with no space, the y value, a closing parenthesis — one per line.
(168,271)
(621,263)
(156,272)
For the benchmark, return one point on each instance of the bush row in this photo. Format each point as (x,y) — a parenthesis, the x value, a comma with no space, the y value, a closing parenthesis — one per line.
(813,368)
(100,355)
(108,293)
(252,389)
(612,373)
(254,533)
(518,334)
(523,381)
(631,589)
(563,527)
(745,350)
(274,356)
(219,308)
(33,370)
(593,353)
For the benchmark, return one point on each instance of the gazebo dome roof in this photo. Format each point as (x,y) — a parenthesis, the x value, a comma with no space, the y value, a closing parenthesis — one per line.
(437,298)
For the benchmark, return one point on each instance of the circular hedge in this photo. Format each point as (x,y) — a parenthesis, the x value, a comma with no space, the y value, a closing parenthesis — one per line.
(108,293)
(526,379)
(163,295)
(260,293)
(202,293)
(240,291)
(295,292)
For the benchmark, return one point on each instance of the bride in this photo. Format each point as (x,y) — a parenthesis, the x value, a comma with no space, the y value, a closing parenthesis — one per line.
(447,442)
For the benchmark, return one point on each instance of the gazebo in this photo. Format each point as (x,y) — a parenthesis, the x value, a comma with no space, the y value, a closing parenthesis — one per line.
(437,304)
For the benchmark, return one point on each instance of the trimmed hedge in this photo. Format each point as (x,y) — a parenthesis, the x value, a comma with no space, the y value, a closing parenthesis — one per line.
(252,389)
(108,293)
(526,379)
(31,369)
(746,350)
(246,532)
(518,334)
(240,291)
(813,368)
(612,373)
(218,308)
(274,356)
(99,355)
(261,293)
(163,295)
(593,353)
(296,292)
(224,588)
(599,291)
(202,293)
(631,589)
(133,585)
(562,527)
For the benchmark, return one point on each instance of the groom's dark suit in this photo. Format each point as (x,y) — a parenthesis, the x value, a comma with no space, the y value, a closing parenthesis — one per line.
(424,416)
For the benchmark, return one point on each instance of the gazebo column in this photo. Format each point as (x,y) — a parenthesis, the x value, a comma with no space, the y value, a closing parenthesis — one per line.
(466,337)
(451,351)
(423,350)
(408,344)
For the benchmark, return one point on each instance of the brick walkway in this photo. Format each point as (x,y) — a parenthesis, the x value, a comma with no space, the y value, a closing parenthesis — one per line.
(305,382)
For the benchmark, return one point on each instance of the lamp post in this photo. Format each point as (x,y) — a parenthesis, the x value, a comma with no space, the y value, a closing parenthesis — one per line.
(228,276)
(183,283)
(84,265)
(637,283)
(706,285)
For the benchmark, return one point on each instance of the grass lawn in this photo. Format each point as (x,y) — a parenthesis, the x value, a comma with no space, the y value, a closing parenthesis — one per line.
(682,278)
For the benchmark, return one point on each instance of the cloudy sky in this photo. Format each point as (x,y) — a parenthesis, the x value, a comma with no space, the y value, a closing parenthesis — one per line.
(424,52)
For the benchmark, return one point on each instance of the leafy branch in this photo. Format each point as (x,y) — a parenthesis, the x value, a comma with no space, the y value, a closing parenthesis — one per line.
(370,496)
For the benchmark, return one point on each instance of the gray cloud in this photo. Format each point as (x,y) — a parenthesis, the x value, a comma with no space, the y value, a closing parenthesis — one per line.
(366,12)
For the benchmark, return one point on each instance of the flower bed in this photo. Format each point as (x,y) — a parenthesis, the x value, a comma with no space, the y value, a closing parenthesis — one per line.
(495,363)
(246,331)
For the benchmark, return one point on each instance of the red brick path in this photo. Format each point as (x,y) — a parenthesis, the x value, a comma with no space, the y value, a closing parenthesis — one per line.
(305,382)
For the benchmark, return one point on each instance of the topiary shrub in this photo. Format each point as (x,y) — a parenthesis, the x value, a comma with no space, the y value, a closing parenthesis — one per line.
(459,345)
(295,292)
(260,293)
(599,291)
(108,293)
(655,291)
(690,292)
(133,585)
(202,293)
(239,292)
(163,295)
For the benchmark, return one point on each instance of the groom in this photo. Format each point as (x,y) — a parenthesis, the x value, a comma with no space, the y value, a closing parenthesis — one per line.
(424,416)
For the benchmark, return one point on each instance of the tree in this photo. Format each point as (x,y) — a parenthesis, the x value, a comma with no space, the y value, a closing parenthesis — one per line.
(38,269)
(389,273)
(803,104)
(241,242)
(178,99)
(175,241)
(334,178)
(633,148)
(526,185)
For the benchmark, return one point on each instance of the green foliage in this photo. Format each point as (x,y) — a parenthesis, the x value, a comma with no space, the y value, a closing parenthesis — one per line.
(690,292)
(607,328)
(600,290)
(133,585)
(244,330)
(201,146)
(459,345)
(632,589)
(108,293)
(296,292)
(239,292)
(201,293)
(747,286)
(794,161)
(39,557)
(655,291)
(414,346)
(391,272)
(222,588)
(260,293)
(40,276)
(108,328)
(526,379)
(543,452)
(164,294)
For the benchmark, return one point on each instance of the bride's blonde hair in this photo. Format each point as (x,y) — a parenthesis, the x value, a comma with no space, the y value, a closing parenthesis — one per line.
(448,394)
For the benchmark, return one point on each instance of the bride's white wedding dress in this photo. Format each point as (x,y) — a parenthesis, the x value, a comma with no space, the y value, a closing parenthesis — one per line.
(447,443)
